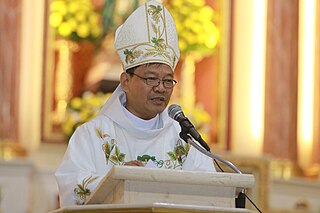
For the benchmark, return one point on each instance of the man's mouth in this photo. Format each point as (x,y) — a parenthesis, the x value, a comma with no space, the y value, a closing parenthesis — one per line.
(158,99)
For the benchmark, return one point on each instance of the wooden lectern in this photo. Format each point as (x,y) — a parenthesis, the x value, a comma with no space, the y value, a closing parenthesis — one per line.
(139,189)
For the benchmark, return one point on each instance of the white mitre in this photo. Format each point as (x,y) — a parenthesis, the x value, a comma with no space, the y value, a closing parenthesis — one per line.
(148,36)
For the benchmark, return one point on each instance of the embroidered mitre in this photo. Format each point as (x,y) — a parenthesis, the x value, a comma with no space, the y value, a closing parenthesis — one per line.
(148,36)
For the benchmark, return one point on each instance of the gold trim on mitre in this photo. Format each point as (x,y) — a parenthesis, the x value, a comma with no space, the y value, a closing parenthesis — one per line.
(148,36)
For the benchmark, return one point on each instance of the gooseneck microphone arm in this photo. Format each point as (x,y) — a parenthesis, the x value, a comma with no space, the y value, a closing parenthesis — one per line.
(189,134)
(187,130)
(188,139)
(240,201)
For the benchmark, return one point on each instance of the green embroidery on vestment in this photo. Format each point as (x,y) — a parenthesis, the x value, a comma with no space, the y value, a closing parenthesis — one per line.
(179,154)
(145,158)
(176,157)
(82,192)
(116,158)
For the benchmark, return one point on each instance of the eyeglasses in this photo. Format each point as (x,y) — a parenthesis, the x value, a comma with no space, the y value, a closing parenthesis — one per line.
(167,83)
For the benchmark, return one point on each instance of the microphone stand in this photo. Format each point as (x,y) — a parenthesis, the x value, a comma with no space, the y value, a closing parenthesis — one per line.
(241,199)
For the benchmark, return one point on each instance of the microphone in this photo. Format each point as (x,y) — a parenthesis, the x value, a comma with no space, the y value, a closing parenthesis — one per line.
(175,112)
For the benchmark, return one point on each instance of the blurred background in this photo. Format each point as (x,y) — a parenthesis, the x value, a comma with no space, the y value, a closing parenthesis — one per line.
(248,78)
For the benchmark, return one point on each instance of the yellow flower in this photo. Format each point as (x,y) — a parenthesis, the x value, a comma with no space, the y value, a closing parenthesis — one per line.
(83,30)
(197,3)
(177,3)
(75,19)
(76,103)
(72,23)
(59,6)
(80,16)
(195,26)
(86,114)
(64,29)
(68,125)
(206,13)
(55,19)
(184,10)
(73,7)
(81,110)
(95,31)
(93,18)
(212,42)
(182,45)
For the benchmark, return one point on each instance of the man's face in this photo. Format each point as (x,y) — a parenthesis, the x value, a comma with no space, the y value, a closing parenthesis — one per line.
(143,100)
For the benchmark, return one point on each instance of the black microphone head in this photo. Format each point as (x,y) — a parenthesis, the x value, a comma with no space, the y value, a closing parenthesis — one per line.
(174,110)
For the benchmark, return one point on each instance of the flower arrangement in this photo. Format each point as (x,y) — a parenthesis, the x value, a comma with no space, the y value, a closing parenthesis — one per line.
(81,110)
(75,20)
(195,25)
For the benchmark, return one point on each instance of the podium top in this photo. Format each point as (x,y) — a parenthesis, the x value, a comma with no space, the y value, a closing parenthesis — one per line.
(152,207)
(166,176)
(180,176)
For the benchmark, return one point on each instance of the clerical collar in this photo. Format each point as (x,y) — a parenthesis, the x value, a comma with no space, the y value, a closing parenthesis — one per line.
(153,123)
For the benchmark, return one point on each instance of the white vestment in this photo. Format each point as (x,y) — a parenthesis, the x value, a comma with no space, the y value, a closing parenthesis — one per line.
(112,139)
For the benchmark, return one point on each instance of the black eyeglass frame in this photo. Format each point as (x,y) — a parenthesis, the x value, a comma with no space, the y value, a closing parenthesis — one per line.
(149,81)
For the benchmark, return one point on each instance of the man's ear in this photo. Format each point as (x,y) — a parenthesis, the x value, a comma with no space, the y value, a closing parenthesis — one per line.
(124,80)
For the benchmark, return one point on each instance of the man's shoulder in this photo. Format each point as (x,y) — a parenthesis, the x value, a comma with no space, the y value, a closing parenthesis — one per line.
(99,121)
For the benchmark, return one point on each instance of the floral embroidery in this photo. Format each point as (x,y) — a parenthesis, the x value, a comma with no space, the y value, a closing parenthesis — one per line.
(131,55)
(177,157)
(158,46)
(179,152)
(116,158)
(154,11)
(82,191)
(107,148)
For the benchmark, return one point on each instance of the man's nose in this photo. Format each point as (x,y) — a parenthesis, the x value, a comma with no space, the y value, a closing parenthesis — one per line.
(160,87)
